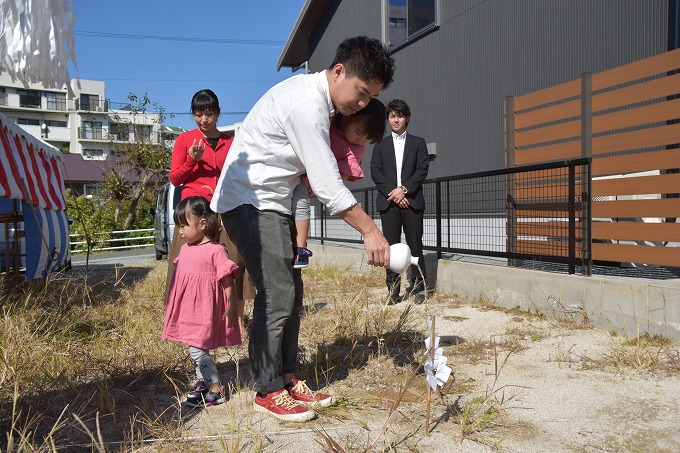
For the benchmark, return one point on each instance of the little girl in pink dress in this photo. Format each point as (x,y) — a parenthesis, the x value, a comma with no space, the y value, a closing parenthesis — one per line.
(201,295)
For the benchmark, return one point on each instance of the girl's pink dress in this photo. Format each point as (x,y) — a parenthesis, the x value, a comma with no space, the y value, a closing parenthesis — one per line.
(197,301)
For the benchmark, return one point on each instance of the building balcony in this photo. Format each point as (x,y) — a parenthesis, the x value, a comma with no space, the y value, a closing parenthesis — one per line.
(23,102)
(100,106)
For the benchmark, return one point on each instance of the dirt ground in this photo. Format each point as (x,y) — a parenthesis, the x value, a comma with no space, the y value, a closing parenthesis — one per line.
(562,389)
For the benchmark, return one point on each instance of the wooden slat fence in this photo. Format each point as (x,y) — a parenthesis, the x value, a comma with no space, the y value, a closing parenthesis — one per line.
(627,119)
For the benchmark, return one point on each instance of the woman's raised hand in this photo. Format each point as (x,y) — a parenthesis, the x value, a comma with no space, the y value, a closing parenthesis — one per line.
(196,150)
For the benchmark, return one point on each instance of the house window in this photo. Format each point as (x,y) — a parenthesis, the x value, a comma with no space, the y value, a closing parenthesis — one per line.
(93,153)
(408,19)
(28,122)
(3,96)
(143,133)
(56,101)
(90,190)
(119,132)
(53,123)
(91,130)
(90,102)
(28,98)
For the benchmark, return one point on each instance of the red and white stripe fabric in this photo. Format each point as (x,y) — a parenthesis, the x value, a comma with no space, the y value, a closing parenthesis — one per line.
(38,164)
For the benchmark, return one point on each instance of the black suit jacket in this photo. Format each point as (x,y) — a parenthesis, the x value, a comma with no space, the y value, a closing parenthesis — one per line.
(413,170)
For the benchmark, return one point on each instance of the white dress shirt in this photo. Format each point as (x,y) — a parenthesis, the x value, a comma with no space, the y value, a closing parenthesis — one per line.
(399,141)
(285,135)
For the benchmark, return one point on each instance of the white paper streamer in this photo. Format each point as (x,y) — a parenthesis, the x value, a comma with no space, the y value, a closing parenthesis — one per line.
(36,41)
(436,371)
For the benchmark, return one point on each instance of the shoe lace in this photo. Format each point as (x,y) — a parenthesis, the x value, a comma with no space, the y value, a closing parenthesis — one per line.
(301,387)
(285,400)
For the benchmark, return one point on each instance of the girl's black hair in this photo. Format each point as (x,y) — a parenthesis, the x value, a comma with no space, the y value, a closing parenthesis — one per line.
(200,207)
(205,100)
(373,117)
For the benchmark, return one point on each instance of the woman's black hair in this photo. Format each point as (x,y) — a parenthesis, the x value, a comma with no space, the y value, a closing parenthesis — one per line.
(205,100)
(199,207)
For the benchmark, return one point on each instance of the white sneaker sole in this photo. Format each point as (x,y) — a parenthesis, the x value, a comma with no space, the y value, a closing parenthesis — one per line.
(328,402)
(301,417)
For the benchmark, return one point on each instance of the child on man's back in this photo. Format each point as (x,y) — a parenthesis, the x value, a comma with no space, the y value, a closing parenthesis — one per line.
(201,295)
(349,136)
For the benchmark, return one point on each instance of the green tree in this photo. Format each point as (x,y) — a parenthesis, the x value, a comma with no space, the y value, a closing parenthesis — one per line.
(144,157)
(90,219)
(117,189)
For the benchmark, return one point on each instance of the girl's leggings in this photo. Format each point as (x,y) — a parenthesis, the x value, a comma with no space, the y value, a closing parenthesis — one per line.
(205,365)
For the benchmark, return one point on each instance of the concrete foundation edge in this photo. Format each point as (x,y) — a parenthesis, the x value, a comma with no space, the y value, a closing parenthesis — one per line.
(630,307)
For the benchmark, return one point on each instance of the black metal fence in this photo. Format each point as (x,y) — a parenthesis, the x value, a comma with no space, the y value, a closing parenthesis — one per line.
(536,212)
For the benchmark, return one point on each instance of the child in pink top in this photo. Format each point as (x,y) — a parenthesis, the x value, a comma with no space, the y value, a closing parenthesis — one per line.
(201,295)
(349,136)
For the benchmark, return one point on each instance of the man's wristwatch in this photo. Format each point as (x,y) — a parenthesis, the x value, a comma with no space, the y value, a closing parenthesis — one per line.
(404,189)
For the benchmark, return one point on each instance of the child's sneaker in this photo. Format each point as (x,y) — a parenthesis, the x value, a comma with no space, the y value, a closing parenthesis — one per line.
(207,398)
(302,257)
(303,394)
(280,405)
(197,392)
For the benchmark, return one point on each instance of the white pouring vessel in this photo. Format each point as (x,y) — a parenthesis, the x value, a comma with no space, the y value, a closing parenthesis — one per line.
(401,259)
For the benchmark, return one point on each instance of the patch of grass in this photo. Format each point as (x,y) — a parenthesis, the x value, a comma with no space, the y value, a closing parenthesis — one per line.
(475,350)
(572,317)
(646,352)
(525,333)
(479,413)
(90,346)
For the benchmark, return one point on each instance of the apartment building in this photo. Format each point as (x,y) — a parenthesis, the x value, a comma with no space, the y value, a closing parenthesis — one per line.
(89,124)
(85,128)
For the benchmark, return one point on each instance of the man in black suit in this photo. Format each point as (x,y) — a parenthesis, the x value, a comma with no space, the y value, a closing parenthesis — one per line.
(398,167)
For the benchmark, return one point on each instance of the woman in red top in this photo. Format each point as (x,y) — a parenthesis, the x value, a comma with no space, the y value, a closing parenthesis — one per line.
(197,160)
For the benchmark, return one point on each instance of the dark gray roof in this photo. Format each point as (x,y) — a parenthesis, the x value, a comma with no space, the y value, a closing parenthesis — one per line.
(79,170)
(296,50)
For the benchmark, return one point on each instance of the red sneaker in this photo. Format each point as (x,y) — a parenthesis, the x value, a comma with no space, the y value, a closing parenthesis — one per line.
(279,404)
(303,394)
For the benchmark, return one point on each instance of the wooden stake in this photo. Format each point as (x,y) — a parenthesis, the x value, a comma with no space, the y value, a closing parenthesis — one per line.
(429,389)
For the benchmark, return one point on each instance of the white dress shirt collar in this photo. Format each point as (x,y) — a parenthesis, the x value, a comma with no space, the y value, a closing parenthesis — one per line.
(396,136)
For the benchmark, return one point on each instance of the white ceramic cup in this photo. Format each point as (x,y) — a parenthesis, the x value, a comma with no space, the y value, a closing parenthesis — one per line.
(400,258)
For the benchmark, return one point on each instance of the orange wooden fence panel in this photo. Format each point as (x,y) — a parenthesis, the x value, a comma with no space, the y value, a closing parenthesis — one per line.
(657,64)
(637,231)
(633,116)
(637,185)
(624,253)
(630,163)
(628,209)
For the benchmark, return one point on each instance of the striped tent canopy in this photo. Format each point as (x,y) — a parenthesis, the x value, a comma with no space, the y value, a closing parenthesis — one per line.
(31,172)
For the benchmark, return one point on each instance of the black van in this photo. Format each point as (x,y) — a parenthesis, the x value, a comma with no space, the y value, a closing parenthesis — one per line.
(163,221)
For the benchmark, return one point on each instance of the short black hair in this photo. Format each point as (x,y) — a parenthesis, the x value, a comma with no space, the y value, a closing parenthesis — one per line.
(400,107)
(200,207)
(366,58)
(205,100)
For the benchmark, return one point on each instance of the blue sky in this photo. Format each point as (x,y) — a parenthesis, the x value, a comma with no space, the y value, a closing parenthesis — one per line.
(113,44)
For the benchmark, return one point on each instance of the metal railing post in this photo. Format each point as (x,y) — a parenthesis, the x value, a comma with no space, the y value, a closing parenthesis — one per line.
(572,218)
(438,192)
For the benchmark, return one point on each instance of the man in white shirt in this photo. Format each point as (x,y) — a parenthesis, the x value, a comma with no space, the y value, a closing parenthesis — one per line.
(399,165)
(285,135)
